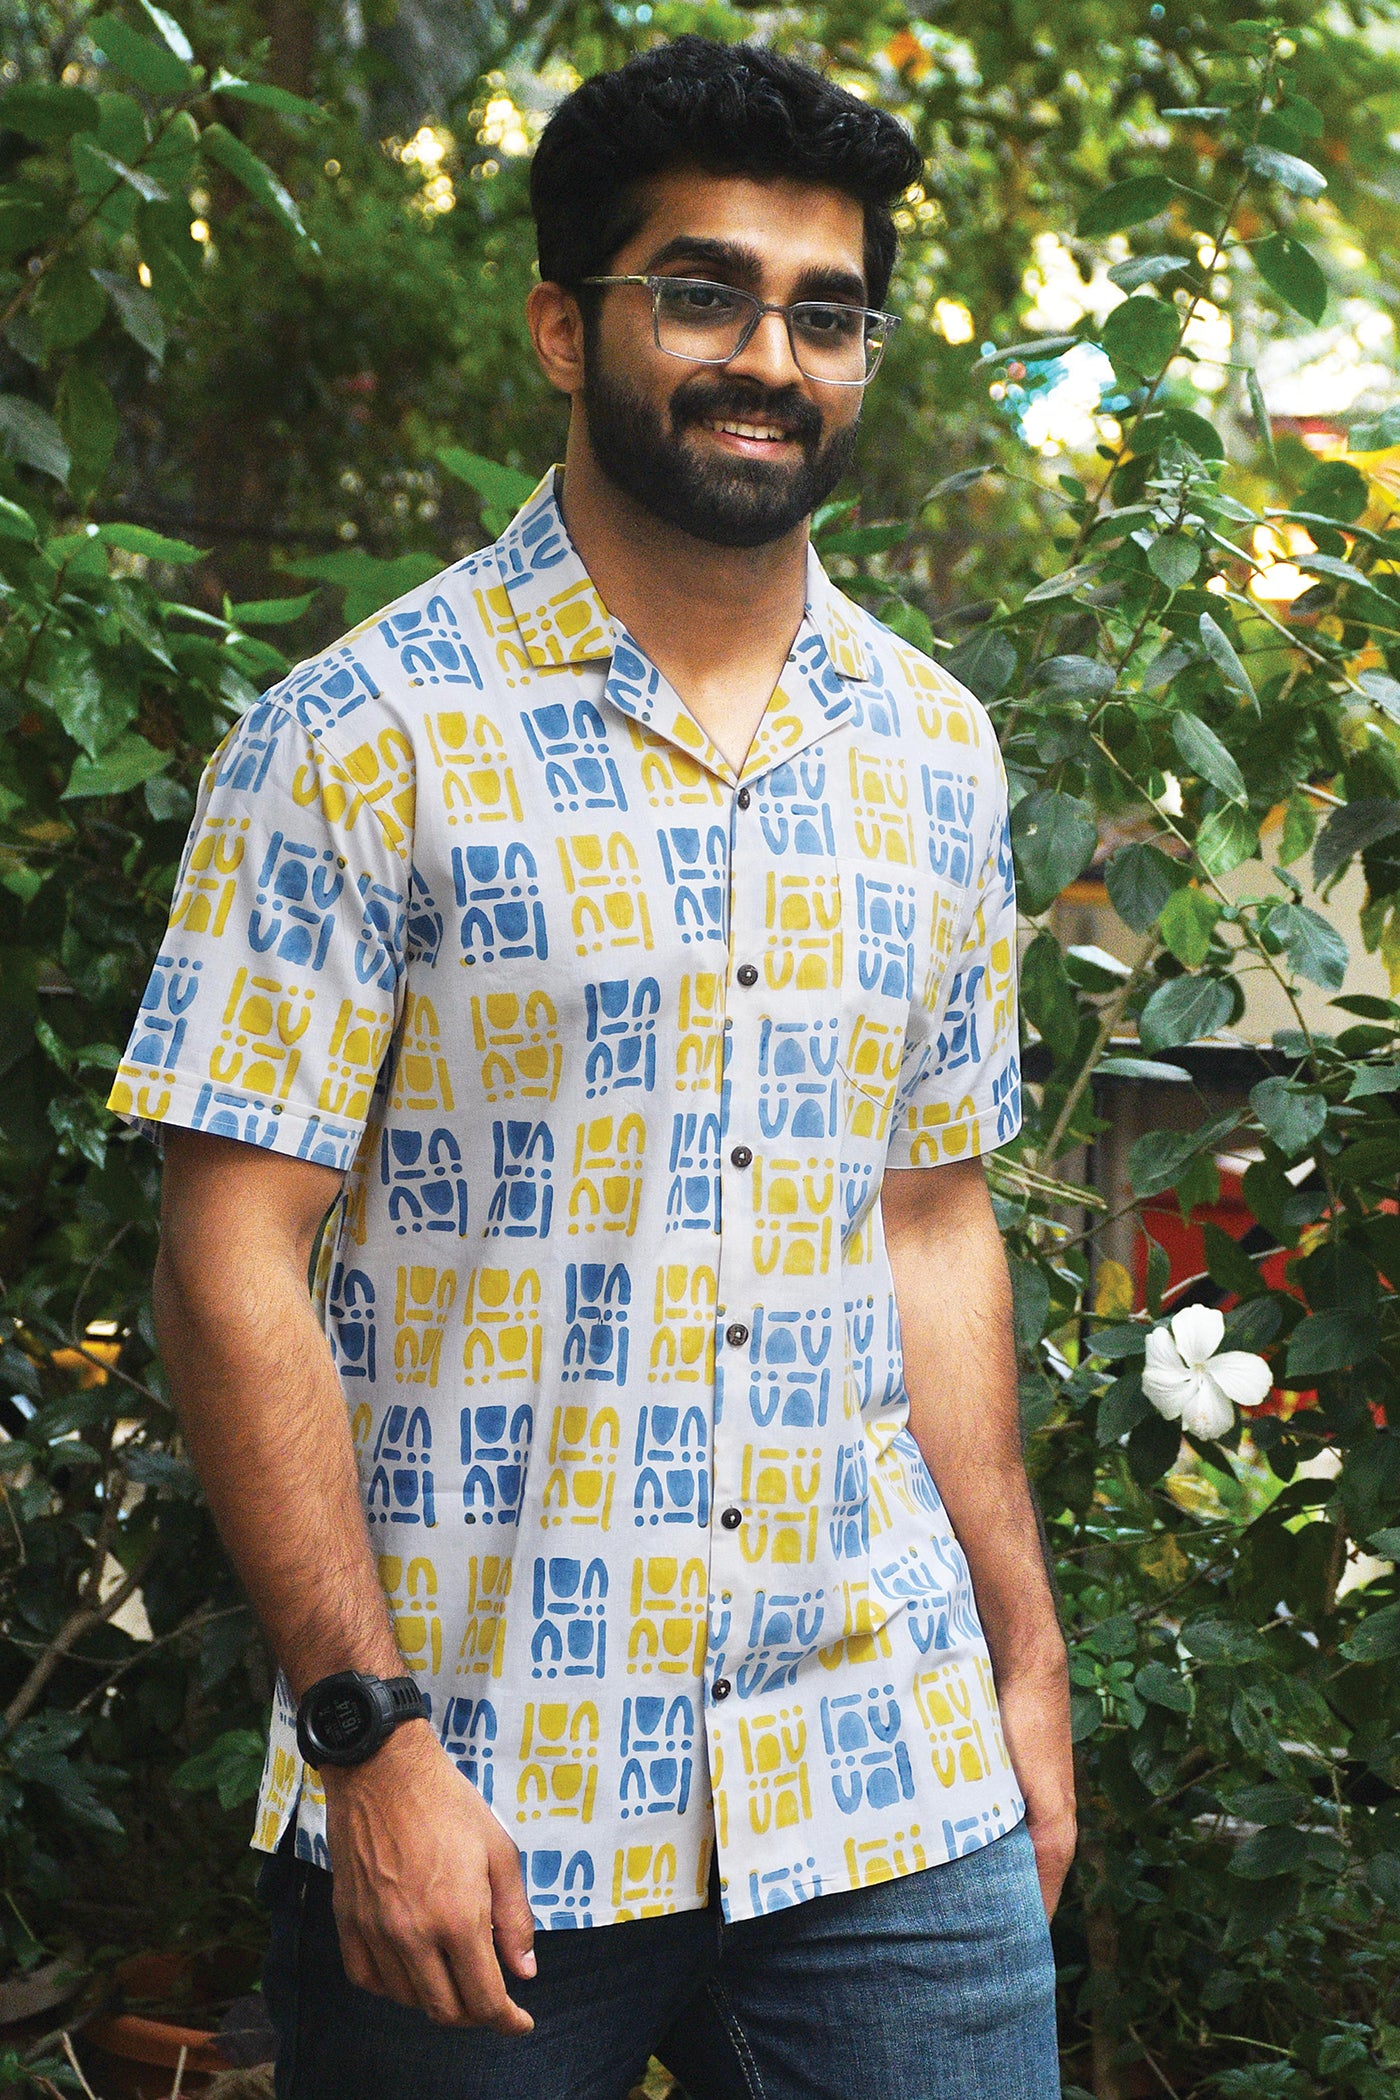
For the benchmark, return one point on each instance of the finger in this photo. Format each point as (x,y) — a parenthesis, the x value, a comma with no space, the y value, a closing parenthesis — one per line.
(511,1920)
(480,1985)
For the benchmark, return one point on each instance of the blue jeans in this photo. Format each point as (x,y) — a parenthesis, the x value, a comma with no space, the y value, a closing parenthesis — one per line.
(939,1986)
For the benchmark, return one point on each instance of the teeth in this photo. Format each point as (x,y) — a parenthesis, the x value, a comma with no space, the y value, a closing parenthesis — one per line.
(750,430)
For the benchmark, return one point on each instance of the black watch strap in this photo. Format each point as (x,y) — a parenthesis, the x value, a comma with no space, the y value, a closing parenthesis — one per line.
(409,1702)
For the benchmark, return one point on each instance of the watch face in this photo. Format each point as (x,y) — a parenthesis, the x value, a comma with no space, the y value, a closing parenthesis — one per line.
(341,1717)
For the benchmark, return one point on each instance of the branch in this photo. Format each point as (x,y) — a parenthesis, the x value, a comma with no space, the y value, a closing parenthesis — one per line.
(73,1628)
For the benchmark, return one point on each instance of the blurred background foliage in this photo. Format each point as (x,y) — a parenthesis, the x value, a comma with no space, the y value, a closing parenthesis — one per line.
(1131,468)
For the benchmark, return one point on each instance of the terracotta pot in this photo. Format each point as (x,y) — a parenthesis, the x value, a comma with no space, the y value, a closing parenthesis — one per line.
(128,2057)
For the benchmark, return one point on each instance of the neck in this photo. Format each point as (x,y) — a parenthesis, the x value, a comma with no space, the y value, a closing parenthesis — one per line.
(717,622)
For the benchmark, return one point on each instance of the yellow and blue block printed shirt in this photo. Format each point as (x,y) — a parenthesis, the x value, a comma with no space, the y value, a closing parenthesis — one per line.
(613,1047)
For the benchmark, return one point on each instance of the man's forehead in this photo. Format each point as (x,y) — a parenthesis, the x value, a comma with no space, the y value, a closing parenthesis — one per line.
(784,223)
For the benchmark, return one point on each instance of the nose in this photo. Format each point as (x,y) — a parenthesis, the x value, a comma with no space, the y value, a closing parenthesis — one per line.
(767,355)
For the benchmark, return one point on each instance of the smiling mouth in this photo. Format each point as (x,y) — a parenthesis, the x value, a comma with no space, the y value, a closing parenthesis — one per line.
(761,433)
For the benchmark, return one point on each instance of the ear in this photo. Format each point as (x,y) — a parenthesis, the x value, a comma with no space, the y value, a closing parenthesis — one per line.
(556,330)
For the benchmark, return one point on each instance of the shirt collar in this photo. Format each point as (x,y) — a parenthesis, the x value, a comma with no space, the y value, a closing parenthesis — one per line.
(562,620)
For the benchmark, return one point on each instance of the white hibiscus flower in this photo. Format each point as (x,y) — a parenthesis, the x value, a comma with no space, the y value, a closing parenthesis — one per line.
(1188,1382)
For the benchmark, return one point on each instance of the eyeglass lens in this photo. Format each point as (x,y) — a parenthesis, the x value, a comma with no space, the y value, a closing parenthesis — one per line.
(707,322)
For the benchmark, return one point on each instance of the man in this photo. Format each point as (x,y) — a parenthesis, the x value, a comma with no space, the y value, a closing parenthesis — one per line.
(608,951)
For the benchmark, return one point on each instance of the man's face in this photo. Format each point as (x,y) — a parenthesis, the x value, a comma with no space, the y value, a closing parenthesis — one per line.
(735,454)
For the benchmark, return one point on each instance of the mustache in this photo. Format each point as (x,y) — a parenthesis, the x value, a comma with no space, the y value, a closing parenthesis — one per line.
(710,401)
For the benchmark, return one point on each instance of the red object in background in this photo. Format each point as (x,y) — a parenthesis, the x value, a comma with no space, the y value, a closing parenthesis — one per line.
(1185,1249)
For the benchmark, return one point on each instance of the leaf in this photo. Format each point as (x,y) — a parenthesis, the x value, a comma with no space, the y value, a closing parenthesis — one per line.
(1085,1714)
(1259,408)
(15,521)
(504,487)
(151,66)
(1188,919)
(368,581)
(1060,586)
(1226,837)
(1174,559)
(1053,838)
(265,96)
(1036,351)
(1141,335)
(69,305)
(48,115)
(1336,490)
(1186,427)
(1377,1638)
(1374,1079)
(1331,1341)
(1160,1685)
(1291,270)
(255,175)
(1139,1068)
(88,418)
(1316,950)
(1298,176)
(170,30)
(139,539)
(1293,1116)
(1203,753)
(30,435)
(985,663)
(144,185)
(1076,676)
(1299,829)
(125,764)
(1183,1010)
(1350,830)
(1221,651)
(1125,204)
(140,316)
(863,539)
(1223,1641)
(93,709)
(1278,1848)
(1140,879)
(1342,572)
(1146,269)
(1229,1266)
(1383,1878)
(1382,691)
(269,612)
(954,484)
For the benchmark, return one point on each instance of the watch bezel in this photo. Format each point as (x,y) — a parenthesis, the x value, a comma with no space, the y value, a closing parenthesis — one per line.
(378,1719)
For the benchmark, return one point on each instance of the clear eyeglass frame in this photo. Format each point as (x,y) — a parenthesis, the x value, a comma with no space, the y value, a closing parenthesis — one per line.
(877,327)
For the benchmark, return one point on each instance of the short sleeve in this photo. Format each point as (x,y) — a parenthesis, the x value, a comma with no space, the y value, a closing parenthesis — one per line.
(273,1001)
(960,1083)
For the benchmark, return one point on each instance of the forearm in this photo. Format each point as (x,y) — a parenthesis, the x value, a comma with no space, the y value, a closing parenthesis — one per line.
(265,1424)
(954,1300)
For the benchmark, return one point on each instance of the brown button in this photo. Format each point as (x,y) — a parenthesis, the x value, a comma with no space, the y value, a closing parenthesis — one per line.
(732,1519)
(747,974)
(736,1335)
(721,1688)
(744,798)
(741,1156)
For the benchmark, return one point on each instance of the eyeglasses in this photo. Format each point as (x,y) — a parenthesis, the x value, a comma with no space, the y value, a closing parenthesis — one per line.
(710,323)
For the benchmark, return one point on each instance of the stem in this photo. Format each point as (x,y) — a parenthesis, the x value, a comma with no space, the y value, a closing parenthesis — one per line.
(1108,1020)
(73,1628)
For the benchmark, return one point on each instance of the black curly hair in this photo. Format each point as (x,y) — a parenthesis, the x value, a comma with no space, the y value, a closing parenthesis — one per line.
(731,109)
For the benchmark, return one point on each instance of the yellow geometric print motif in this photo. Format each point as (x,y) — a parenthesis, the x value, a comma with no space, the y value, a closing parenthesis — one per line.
(607,1046)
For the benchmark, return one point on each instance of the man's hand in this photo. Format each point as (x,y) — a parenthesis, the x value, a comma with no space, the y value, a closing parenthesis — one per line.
(429,1900)
(1035,1722)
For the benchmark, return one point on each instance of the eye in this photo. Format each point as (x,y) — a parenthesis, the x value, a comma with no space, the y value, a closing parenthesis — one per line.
(692,299)
(828,323)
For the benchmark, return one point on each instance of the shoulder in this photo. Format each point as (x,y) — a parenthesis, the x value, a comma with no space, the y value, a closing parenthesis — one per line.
(931,708)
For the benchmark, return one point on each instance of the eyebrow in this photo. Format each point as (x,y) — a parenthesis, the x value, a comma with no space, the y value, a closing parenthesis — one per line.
(741,266)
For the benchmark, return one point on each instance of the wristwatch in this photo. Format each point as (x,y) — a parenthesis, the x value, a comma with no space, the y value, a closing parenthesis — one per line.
(343,1719)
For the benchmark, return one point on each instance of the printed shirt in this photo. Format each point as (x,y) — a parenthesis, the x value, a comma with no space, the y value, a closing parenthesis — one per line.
(613,1047)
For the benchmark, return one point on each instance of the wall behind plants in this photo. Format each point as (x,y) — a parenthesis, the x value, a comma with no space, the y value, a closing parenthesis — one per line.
(255,361)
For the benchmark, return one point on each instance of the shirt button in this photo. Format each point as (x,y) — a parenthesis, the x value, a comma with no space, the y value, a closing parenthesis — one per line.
(736,1335)
(732,1519)
(744,798)
(741,1156)
(747,974)
(721,1688)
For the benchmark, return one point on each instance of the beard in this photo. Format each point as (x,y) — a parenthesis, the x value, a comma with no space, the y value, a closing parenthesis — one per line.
(726,502)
